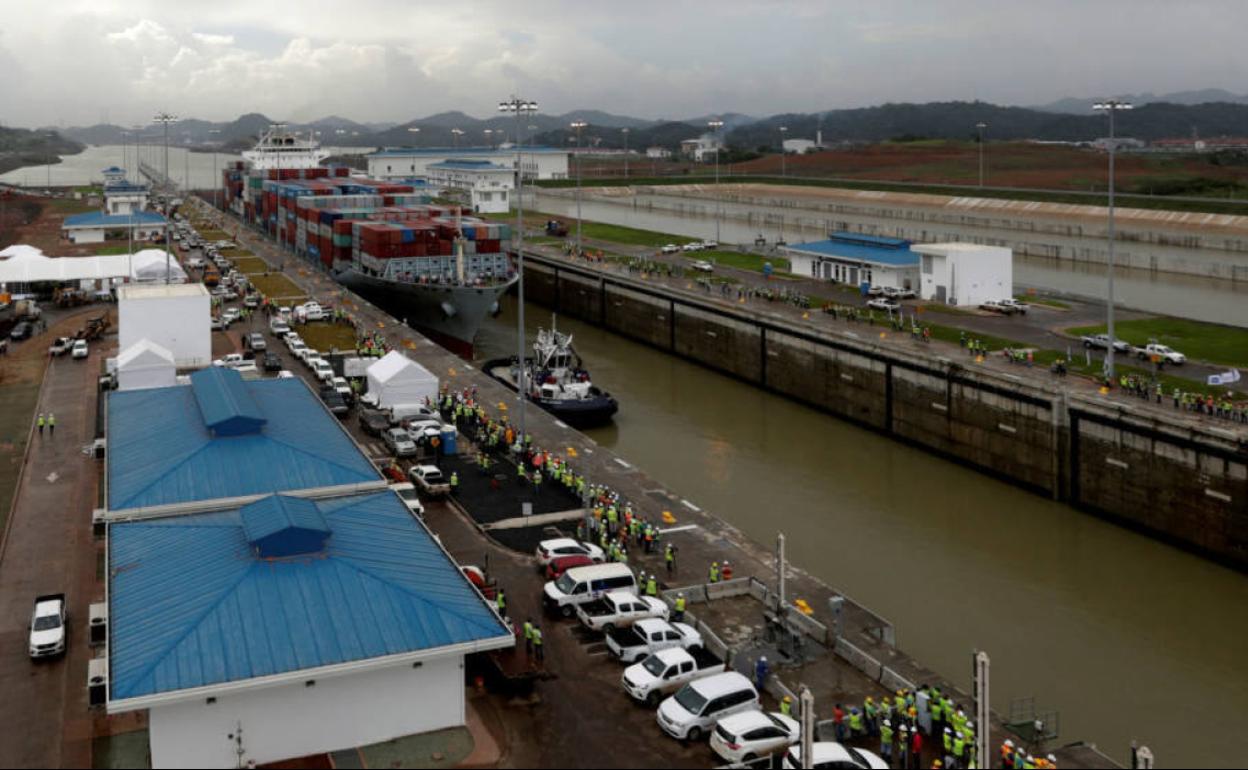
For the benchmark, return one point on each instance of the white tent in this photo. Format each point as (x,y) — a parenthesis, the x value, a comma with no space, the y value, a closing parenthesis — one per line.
(27,264)
(145,365)
(148,266)
(396,379)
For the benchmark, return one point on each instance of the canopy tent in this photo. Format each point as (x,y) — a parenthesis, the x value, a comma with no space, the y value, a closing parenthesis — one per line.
(149,267)
(396,379)
(27,264)
(145,365)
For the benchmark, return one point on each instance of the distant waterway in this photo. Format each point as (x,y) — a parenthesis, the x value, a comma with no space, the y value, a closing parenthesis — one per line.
(1125,637)
(1202,299)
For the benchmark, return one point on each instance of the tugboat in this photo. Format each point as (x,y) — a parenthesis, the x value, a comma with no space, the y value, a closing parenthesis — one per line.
(557,381)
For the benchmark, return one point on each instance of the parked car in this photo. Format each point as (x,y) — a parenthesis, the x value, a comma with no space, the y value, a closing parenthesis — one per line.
(744,737)
(1166,354)
(561,564)
(566,546)
(882,303)
(323,371)
(344,388)
(620,609)
(875,291)
(399,442)
(61,346)
(272,363)
(1101,341)
(407,493)
(48,623)
(698,706)
(373,423)
(334,401)
(585,584)
(710,244)
(692,246)
(666,671)
(256,341)
(428,478)
(637,641)
(22,331)
(279,326)
(80,350)
(994,306)
(669,248)
(216,324)
(703,266)
(828,754)
(1018,307)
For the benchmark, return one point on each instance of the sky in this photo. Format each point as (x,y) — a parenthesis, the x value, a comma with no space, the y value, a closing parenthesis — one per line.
(79,62)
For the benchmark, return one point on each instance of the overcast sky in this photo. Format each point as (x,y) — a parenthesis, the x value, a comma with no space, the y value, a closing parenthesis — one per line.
(77,62)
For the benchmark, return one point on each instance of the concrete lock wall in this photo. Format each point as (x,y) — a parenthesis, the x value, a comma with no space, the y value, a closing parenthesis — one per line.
(1158,474)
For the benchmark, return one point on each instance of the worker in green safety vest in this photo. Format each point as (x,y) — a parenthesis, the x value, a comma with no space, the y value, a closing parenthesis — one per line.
(528,637)
(714,574)
(855,722)
(652,586)
(454,482)
(786,706)
(500,601)
(886,741)
(537,643)
(679,614)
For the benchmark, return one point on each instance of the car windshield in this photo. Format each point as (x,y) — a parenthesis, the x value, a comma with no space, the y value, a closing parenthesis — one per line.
(655,665)
(47,623)
(565,583)
(408,494)
(859,759)
(691,699)
(776,721)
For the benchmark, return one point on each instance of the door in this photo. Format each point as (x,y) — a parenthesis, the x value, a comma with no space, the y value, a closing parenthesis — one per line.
(940,294)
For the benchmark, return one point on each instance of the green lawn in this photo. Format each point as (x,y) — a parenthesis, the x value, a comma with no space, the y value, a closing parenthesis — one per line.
(250,265)
(1215,343)
(1042,301)
(326,336)
(741,260)
(278,288)
(104,250)
(70,206)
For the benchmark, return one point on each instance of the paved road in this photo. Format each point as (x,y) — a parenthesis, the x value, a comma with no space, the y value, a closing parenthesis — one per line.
(50,549)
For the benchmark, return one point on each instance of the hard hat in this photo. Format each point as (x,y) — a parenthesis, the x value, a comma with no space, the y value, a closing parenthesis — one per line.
(1052,759)
(1008,742)
(887,723)
(970,724)
(788,699)
(937,763)
(959,733)
(950,731)
(681,594)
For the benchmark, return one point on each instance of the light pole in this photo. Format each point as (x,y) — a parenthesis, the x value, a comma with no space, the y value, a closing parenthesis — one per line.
(715,125)
(50,135)
(166,119)
(521,108)
(455,132)
(217,181)
(625,132)
(488,143)
(1109,107)
(980,126)
(577,125)
(783,130)
(415,130)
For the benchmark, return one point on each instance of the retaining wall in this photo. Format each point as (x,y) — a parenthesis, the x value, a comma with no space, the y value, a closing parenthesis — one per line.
(1160,475)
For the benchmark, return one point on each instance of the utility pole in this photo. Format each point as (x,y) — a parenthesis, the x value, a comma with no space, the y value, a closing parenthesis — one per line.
(783,155)
(166,118)
(980,126)
(715,125)
(1111,106)
(217,181)
(806,702)
(521,108)
(577,125)
(455,132)
(982,706)
(625,132)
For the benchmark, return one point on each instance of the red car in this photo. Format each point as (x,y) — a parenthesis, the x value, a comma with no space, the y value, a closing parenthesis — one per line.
(561,564)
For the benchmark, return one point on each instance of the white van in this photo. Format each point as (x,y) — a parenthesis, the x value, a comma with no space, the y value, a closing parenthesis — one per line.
(580,585)
(695,709)
(414,412)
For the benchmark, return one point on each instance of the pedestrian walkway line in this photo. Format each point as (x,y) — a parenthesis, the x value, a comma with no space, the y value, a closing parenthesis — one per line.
(537,520)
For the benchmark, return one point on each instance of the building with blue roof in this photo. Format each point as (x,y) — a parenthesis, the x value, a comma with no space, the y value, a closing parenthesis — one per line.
(92,227)
(857,260)
(394,163)
(263,577)
(485,183)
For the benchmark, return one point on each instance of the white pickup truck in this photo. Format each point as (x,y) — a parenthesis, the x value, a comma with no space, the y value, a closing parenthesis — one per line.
(666,671)
(236,362)
(619,609)
(429,479)
(1163,353)
(47,626)
(649,636)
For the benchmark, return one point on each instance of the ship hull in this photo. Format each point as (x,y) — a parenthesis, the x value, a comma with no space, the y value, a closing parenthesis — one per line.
(449,315)
(585,413)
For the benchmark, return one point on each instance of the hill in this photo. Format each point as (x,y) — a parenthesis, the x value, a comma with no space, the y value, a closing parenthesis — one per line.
(20,147)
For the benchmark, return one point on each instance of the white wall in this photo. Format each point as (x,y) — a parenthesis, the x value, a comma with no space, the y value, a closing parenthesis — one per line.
(86,236)
(544,165)
(295,720)
(972,275)
(177,324)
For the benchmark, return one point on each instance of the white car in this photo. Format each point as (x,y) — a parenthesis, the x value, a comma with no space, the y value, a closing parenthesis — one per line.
(566,546)
(406,490)
(323,371)
(310,311)
(881,303)
(343,387)
(670,248)
(231,314)
(710,244)
(308,355)
(749,735)
(80,349)
(692,246)
(399,442)
(832,754)
(279,327)
(698,706)
(285,374)
(1164,352)
(47,626)
(703,266)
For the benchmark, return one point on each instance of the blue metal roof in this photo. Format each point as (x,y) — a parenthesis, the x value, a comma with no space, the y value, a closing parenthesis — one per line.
(470,165)
(278,526)
(161,452)
(225,403)
(894,252)
(100,219)
(509,152)
(191,605)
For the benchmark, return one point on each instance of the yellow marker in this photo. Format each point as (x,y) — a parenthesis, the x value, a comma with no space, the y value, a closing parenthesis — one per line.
(979,359)
(741,300)
(381,325)
(803,607)
(451,371)
(1104,390)
(805,316)
(668,518)
(571,451)
(883,335)
(409,344)
(502,407)
(688,286)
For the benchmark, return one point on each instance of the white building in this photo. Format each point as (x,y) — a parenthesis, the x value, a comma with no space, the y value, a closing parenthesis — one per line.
(488,184)
(176,317)
(397,380)
(145,365)
(658,153)
(799,146)
(405,162)
(857,260)
(120,195)
(965,273)
(702,149)
(95,226)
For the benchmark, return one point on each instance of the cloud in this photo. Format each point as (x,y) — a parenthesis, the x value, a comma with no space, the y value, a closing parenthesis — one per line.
(210,39)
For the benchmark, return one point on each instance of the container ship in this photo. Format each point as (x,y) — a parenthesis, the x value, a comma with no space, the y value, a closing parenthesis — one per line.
(427,264)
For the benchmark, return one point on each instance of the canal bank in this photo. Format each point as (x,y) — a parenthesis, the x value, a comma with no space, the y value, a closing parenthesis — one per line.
(1066,265)
(1121,634)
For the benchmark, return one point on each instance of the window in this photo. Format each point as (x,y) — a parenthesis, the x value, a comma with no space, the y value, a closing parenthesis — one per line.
(927,264)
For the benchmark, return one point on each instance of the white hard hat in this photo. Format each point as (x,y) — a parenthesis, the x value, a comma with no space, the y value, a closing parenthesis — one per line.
(1008,742)
(1052,759)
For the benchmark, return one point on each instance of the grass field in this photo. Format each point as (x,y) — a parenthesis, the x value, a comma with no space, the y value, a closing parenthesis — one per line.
(326,337)
(214,235)
(250,265)
(17,405)
(278,288)
(1201,341)
(741,260)
(232,253)
(106,249)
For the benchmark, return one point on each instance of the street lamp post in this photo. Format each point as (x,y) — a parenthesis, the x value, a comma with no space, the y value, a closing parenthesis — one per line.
(783,130)
(455,132)
(217,181)
(980,126)
(625,132)
(1109,107)
(166,118)
(577,125)
(414,130)
(521,108)
(715,125)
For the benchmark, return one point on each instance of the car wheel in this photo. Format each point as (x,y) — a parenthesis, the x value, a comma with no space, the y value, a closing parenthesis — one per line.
(1087,344)
(609,628)
(652,700)
(694,734)
(566,610)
